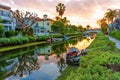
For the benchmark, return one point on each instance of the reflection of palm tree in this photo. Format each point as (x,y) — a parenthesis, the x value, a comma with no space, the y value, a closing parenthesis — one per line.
(26,64)
(61,64)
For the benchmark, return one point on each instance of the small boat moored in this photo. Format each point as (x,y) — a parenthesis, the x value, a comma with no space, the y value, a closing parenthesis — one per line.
(72,56)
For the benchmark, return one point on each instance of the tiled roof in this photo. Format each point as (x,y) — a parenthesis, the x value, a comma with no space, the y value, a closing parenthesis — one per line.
(40,19)
(5,7)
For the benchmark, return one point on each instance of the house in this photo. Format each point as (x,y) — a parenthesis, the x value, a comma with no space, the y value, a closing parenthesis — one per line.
(42,26)
(6,16)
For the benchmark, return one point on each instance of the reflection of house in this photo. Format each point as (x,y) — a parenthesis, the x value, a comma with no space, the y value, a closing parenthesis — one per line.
(46,51)
(42,26)
(7,21)
(10,68)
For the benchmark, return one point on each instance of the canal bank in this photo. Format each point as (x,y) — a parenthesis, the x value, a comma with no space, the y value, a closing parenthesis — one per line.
(101,63)
(7,48)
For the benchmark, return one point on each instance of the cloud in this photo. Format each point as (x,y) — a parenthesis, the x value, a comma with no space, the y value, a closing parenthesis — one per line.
(82,9)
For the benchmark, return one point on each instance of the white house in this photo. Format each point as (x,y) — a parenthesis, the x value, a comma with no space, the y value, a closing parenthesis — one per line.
(42,26)
(7,20)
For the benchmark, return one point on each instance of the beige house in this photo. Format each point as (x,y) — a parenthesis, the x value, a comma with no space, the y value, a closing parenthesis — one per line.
(42,26)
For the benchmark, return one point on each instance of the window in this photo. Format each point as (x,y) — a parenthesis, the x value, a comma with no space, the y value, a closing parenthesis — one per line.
(48,23)
(37,30)
(6,13)
(1,12)
(36,24)
(10,27)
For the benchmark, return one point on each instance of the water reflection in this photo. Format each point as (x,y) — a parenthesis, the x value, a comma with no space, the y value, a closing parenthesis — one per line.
(25,65)
(61,64)
(38,62)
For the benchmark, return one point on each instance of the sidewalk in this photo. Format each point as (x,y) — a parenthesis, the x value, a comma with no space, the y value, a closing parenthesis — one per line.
(116,41)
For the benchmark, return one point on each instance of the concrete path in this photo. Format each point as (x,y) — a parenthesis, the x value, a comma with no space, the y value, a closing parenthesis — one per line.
(116,41)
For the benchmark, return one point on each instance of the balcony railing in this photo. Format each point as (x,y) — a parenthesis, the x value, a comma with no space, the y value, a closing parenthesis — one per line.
(5,17)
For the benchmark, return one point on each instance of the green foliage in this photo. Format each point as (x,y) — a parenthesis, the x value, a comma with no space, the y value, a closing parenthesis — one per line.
(26,39)
(4,41)
(58,27)
(74,28)
(28,33)
(42,38)
(11,33)
(1,30)
(115,34)
(32,39)
(93,66)
(1,74)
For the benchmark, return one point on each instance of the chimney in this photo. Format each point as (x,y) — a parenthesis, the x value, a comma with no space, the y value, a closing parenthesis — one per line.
(45,17)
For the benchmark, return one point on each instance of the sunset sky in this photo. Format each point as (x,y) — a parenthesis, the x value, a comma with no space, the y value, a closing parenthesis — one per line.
(79,12)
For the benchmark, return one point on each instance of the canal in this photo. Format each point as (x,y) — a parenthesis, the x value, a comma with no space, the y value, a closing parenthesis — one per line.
(40,62)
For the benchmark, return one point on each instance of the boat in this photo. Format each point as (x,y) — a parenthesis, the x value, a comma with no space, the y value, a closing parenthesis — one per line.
(57,39)
(72,56)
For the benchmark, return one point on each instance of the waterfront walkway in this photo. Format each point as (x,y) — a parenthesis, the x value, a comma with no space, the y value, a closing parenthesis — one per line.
(116,41)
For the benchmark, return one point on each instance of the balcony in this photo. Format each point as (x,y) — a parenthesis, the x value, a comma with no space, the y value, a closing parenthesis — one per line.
(5,18)
(6,24)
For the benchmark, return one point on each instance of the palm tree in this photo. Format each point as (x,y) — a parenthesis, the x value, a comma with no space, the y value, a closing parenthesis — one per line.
(103,24)
(60,8)
(65,21)
(110,15)
(57,18)
(88,27)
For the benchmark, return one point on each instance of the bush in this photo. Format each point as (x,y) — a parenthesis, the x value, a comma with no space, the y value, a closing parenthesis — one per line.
(42,38)
(4,41)
(11,33)
(115,34)
(24,39)
(14,41)
(32,39)
(1,30)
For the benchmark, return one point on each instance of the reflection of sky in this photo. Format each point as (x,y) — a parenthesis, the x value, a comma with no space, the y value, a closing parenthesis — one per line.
(48,68)
(46,72)
(83,44)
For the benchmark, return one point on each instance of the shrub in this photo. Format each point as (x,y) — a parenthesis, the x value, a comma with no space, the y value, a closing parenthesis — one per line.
(32,39)
(1,30)
(115,34)
(11,33)
(24,39)
(4,41)
(14,41)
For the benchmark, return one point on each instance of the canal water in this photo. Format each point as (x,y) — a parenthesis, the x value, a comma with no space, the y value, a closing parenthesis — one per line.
(40,62)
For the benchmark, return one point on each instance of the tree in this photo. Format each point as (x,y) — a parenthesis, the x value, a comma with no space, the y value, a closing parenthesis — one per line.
(80,28)
(60,8)
(88,27)
(110,15)
(103,24)
(1,29)
(24,20)
(74,28)
(58,27)
(57,18)
(65,21)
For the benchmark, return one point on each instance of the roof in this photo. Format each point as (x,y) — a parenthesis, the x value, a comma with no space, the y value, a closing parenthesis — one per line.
(5,7)
(40,19)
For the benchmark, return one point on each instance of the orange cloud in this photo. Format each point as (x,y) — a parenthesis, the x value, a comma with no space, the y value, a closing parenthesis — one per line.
(78,11)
